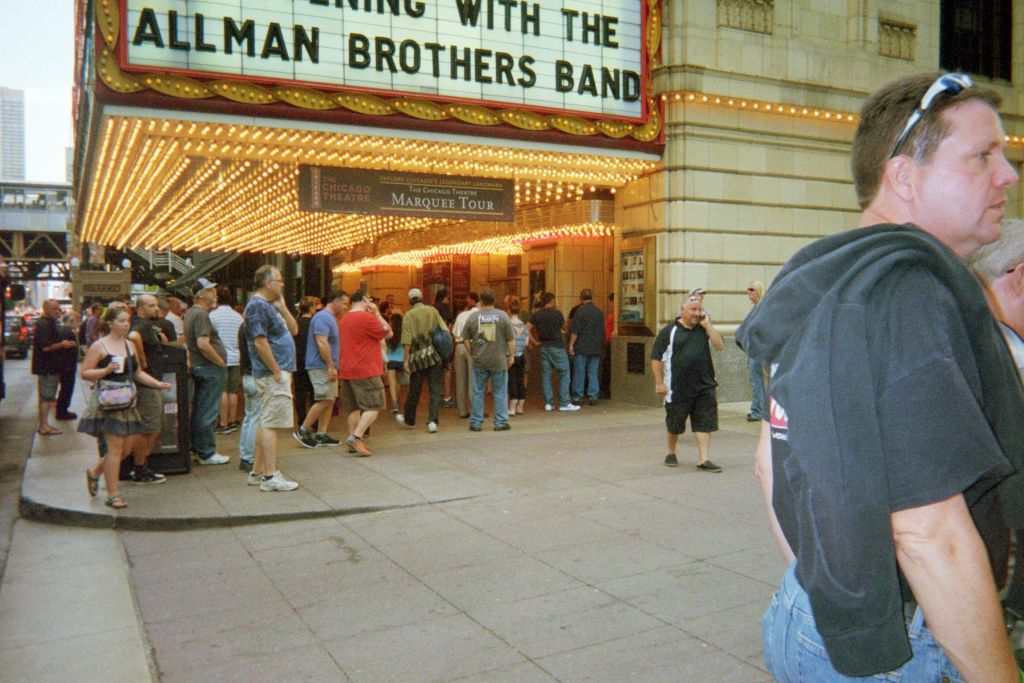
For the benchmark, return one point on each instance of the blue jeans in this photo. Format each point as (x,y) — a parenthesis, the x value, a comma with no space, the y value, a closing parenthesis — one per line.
(757,407)
(555,358)
(794,651)
(500,380)
(208,382)
(247,435)
(585,368)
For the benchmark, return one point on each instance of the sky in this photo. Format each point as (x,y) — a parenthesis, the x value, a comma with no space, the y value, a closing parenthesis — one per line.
(38,58)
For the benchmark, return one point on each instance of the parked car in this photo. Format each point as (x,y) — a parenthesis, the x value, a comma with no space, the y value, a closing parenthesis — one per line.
(17,335)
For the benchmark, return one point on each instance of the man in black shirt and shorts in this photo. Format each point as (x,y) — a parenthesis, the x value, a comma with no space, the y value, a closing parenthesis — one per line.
(149,401)
(684,375)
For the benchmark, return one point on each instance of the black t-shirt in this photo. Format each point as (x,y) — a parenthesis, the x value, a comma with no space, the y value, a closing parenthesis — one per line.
(167,327)
(244,364)
(548,322)
(151,345)
(446,313)
(301,339)
(689,371)
(935,443)
(588,326)
(46,334)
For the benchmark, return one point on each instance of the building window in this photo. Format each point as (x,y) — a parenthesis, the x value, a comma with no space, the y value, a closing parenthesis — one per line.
(975,37)
(747,15)
(896,39)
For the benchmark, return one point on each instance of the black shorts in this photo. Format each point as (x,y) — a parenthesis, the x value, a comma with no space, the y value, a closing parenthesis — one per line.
(396,365)
(702,410)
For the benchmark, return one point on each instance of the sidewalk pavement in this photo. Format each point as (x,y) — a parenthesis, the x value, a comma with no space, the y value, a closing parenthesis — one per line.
(560,550)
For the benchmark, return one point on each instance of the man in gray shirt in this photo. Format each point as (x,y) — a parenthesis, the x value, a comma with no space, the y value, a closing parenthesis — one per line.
(491,342)
(208,358)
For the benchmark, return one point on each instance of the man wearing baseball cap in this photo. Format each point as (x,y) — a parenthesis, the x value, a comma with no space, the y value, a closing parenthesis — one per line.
(421,361)
(208,359)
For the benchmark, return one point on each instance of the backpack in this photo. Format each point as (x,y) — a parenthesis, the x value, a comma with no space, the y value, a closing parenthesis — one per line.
(443,342)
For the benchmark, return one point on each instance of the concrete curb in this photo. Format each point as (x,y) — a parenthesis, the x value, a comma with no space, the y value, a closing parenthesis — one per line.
(40,512)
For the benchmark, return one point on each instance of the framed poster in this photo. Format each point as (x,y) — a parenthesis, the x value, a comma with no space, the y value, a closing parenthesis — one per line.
(631,290)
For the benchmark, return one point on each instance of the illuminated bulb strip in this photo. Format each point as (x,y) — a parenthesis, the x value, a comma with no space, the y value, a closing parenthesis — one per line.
(91,217)
(142,192)
(506,244)
(107,184)
(759,106)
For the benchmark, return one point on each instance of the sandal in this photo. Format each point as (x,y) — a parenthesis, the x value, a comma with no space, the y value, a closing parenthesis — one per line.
(116,502)
(92,484)
(50,432)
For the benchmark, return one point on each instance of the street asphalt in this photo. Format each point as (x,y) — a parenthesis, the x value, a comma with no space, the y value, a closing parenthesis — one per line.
(562,550)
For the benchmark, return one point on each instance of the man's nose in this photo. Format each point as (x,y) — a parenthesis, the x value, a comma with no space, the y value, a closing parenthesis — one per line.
(1006,175)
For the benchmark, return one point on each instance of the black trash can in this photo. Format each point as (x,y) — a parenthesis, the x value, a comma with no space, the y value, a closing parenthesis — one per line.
(172,454)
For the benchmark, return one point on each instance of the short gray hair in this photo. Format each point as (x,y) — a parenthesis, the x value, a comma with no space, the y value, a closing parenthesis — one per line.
(994,260)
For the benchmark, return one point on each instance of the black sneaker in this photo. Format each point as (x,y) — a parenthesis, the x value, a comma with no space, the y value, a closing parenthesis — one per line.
(709,466)
(233,427)
(670,460)
(147,476)
(324,440)
(503,428)
(222,429)
(304,437)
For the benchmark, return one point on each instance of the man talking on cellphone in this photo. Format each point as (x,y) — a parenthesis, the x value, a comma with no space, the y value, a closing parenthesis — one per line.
(685,377)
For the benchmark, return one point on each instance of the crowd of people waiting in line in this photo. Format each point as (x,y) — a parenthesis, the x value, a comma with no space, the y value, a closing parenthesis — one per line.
(349,352)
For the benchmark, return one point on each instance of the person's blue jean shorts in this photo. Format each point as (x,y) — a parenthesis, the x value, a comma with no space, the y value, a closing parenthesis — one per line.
(795,653)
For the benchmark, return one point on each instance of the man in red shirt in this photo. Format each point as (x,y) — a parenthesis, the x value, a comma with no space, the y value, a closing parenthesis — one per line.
(362,364)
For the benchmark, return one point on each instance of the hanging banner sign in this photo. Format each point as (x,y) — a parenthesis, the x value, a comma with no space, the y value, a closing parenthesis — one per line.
(578,56)
(353,190)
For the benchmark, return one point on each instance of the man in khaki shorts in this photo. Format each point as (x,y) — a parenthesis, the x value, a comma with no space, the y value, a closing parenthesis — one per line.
(362,364)
(322,349)
(272,352)
(149,402)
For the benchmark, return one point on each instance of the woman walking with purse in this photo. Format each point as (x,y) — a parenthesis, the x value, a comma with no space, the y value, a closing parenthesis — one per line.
(111,364)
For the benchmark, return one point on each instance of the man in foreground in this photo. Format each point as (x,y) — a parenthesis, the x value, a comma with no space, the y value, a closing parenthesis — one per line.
(894,408)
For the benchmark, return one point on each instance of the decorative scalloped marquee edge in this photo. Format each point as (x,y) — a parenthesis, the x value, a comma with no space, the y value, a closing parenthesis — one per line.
(174,85)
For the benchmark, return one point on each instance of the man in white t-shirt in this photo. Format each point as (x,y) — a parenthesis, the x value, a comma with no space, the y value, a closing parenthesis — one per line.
(227,321)
(463,362)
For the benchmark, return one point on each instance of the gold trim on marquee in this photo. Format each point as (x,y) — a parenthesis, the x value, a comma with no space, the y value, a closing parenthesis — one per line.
(108,20)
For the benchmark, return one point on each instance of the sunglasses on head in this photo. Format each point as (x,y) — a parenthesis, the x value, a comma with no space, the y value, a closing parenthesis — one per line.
(951,83)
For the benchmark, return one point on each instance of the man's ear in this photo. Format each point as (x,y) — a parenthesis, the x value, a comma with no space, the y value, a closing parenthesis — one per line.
(1017,280)
(898,175)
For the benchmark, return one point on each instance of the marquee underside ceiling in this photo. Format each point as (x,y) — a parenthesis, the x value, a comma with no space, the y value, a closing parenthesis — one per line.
(183,184)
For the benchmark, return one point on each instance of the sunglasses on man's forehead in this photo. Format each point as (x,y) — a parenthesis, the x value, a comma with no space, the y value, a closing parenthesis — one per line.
(951,83)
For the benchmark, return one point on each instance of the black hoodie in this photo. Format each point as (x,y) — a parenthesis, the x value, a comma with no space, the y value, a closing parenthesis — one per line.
(891,389)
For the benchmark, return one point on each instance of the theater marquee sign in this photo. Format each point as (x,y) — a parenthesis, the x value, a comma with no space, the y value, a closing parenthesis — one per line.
(367,191)
(580,66)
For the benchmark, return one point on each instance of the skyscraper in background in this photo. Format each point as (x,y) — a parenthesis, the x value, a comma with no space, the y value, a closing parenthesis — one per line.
(12,134)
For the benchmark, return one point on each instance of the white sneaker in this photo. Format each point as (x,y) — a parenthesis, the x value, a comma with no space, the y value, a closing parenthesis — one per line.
(399,418)
(215,459)
(432,427)
(254,479)
(548,407)
(570,408)
(278,483)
